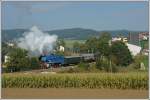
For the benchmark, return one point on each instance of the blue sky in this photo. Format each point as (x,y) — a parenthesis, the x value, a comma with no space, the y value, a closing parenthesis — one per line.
(61,15)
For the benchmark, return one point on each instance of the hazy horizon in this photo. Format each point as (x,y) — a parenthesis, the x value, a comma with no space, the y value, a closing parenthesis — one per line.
(77,28)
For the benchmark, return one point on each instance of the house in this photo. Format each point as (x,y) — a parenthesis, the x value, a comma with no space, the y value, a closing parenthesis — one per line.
(134,38)
(119,39)
(6,57)
(143,36)
(116,39)
(61,48)
(145,52)
(134,49)
(10,44)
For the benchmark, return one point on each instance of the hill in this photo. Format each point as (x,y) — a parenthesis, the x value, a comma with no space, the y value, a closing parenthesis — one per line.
(10,35)
(73,33)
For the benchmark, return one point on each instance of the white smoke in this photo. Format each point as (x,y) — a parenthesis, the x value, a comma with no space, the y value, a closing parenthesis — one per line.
(36,41)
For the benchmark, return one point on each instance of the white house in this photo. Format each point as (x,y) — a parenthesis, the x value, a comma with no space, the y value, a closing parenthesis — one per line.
(116,39)
(145,52)
(10,44)
(61,48)
(119,39)
(6,58)
(134,49)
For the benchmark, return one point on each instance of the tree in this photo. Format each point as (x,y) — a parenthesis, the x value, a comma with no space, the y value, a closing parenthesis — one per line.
(34,63)
(79,47)
(18,59)
(76,47)
(138,60)
(121,53)
(5,50)
(102,64)
(92,45)
(105,36)
(61,53)
(83,66)
(61,42)
(103,44)
(83,48)
(104,60)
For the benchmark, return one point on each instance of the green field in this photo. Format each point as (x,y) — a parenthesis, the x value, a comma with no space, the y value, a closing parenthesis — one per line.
(69,43)
(132,80)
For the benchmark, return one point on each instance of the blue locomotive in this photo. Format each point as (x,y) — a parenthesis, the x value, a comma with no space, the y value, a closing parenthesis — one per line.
(53,60)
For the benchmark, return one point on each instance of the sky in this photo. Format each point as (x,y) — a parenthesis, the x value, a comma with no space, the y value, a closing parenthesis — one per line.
(98,15)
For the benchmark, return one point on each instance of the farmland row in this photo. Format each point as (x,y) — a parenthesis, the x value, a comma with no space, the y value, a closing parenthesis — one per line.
(92,80)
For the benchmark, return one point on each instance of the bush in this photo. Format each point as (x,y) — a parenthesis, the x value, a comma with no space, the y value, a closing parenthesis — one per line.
(72,70)
(114,68)
(138,60)
(102,64)
(6,70)
(83,66)
(60,53)
(34,63)
(121,54)
(17,58)
(93,68)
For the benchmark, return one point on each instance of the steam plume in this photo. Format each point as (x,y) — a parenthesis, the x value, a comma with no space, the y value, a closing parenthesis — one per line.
(37,42)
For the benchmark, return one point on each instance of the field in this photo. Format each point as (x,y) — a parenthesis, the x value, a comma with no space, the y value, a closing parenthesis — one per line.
(83,80)
(80,85)
(69,43)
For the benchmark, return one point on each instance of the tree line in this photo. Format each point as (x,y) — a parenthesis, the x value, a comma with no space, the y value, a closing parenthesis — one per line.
(110,54)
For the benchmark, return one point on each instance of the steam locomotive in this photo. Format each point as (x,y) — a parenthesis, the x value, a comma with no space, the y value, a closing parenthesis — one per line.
(53,60)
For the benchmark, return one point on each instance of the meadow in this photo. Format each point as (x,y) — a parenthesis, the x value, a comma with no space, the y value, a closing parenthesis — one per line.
(69,43)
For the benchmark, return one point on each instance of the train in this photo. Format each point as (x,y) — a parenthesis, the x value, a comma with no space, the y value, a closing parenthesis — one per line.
(53,60)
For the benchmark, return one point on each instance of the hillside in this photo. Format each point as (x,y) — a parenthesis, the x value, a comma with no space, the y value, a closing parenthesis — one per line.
(73,33)
(9,35)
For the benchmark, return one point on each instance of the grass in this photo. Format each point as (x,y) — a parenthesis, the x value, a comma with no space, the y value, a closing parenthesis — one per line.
(69,43)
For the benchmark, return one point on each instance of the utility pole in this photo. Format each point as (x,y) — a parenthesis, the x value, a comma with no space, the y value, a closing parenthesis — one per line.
(110,65)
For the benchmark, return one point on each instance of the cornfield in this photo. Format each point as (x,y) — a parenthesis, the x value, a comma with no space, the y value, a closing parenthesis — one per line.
(88,80)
